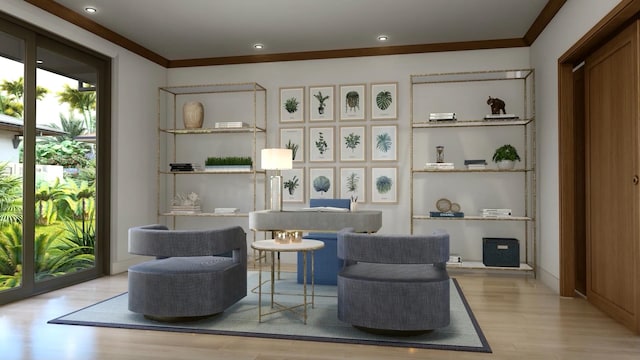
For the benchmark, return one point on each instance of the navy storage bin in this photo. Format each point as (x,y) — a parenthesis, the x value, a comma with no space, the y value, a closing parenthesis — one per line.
(500,252)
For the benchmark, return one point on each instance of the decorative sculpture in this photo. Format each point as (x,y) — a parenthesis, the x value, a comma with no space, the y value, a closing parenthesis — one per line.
(497,105)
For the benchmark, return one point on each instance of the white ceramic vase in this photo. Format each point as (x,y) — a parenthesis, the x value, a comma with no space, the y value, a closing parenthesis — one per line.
(192,114)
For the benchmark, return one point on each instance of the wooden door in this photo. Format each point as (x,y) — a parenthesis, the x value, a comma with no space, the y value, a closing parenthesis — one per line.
(612,191)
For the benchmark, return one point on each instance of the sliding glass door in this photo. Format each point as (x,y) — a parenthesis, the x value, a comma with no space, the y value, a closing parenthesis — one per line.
(56,167)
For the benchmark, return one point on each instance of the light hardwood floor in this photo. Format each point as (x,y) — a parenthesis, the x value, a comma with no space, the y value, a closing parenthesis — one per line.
(521,318)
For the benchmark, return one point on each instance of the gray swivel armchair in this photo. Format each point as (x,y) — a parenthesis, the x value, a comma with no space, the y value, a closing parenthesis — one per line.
(196,273)
(393,283)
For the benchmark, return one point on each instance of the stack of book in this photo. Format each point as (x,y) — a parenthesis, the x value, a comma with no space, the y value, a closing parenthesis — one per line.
(185,209)
(439,166)
(231,125)
(500,117)
(176,167)
(479,164)
(442,117)
(493,213)
(454,260)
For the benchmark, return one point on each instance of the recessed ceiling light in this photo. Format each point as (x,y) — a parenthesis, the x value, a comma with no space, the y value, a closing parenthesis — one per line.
(383,38)
(258,46)
(39,62)
(90,10)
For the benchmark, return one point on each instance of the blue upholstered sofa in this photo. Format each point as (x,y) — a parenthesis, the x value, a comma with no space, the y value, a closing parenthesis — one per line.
(326,259)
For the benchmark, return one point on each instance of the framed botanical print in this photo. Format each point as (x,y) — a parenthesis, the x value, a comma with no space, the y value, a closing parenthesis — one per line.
(352,102)
(321,183)
(384,101)
(321,143)
(353,184)
(321,103)
(293,138)
(384,185)
(384,140)
(291,104)
(352,143)
(293,185)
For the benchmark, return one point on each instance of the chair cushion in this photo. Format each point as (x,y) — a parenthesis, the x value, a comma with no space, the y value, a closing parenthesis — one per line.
(184,265)
(394,272)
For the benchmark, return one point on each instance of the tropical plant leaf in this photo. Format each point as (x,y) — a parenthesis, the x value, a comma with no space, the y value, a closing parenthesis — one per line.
(321,184)
(384,142)
(384,100)
(383,184)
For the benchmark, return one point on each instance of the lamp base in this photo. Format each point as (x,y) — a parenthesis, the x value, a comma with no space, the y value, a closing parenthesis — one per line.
(275,193)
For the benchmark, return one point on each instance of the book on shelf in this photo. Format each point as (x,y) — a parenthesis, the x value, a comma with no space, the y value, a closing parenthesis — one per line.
(475,162)
(324,209)
(500,117)
(446,214)
(476,167)
(442,117)
(496,212)
(177,167)
(185,209)
(225,210)
(231,125)
(439,166)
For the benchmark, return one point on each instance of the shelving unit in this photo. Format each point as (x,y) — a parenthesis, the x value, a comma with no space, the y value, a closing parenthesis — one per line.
(242,189)
(473,137)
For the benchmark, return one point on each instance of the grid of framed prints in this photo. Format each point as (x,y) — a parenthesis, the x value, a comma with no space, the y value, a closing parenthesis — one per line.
(353,160)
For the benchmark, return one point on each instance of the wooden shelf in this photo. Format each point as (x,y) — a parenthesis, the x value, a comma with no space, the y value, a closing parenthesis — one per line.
(212,130)
(205,214)
(470,171)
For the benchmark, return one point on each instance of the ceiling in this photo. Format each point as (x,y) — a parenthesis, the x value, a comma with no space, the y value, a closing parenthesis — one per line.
(213,29)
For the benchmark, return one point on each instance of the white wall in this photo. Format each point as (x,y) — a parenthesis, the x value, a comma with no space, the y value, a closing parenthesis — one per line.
(135,83)
(573,20)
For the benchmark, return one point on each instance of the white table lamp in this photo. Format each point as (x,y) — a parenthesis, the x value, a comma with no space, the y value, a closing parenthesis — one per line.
(276,159)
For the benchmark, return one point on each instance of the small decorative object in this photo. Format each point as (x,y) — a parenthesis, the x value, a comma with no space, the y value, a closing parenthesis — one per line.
(384,102)
(497,105)
(193,114)
(287,237)
(505,156)
(292,104)
(352,102)
(321,103)
(439,154)
(185,204)
(442,116)
(353,205)
(443,205)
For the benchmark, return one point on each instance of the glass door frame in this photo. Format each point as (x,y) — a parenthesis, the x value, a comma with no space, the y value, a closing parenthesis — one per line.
(33,38)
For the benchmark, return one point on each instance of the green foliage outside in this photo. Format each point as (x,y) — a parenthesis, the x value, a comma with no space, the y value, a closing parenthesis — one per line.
(228,161)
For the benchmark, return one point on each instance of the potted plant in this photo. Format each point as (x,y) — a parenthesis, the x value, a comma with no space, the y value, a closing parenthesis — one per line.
(229,163)
(505,156)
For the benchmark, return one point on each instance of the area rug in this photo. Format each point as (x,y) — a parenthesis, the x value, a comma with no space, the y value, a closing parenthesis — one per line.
(462,334)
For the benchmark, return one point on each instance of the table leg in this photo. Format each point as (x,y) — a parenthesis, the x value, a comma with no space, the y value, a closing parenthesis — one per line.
(304,284)
(259,286)
(313,280)
(272,276)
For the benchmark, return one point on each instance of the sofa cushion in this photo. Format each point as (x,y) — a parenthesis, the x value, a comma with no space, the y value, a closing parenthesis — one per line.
(394,272)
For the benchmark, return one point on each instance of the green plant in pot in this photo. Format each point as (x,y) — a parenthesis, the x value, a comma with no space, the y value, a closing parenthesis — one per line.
(505,156)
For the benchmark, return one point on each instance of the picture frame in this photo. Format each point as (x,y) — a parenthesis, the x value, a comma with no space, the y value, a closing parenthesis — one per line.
(293,138)
(321,144)
(353,184)
(352,102)
(384,101)
(322,103)
(321,183)
(384,139)
(384,185)
(293,185)
(352,143)
(292,104)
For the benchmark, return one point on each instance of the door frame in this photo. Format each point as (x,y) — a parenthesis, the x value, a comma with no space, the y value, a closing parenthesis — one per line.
(617,19)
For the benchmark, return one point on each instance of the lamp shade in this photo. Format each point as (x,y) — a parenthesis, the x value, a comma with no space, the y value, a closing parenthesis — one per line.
(276,159)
